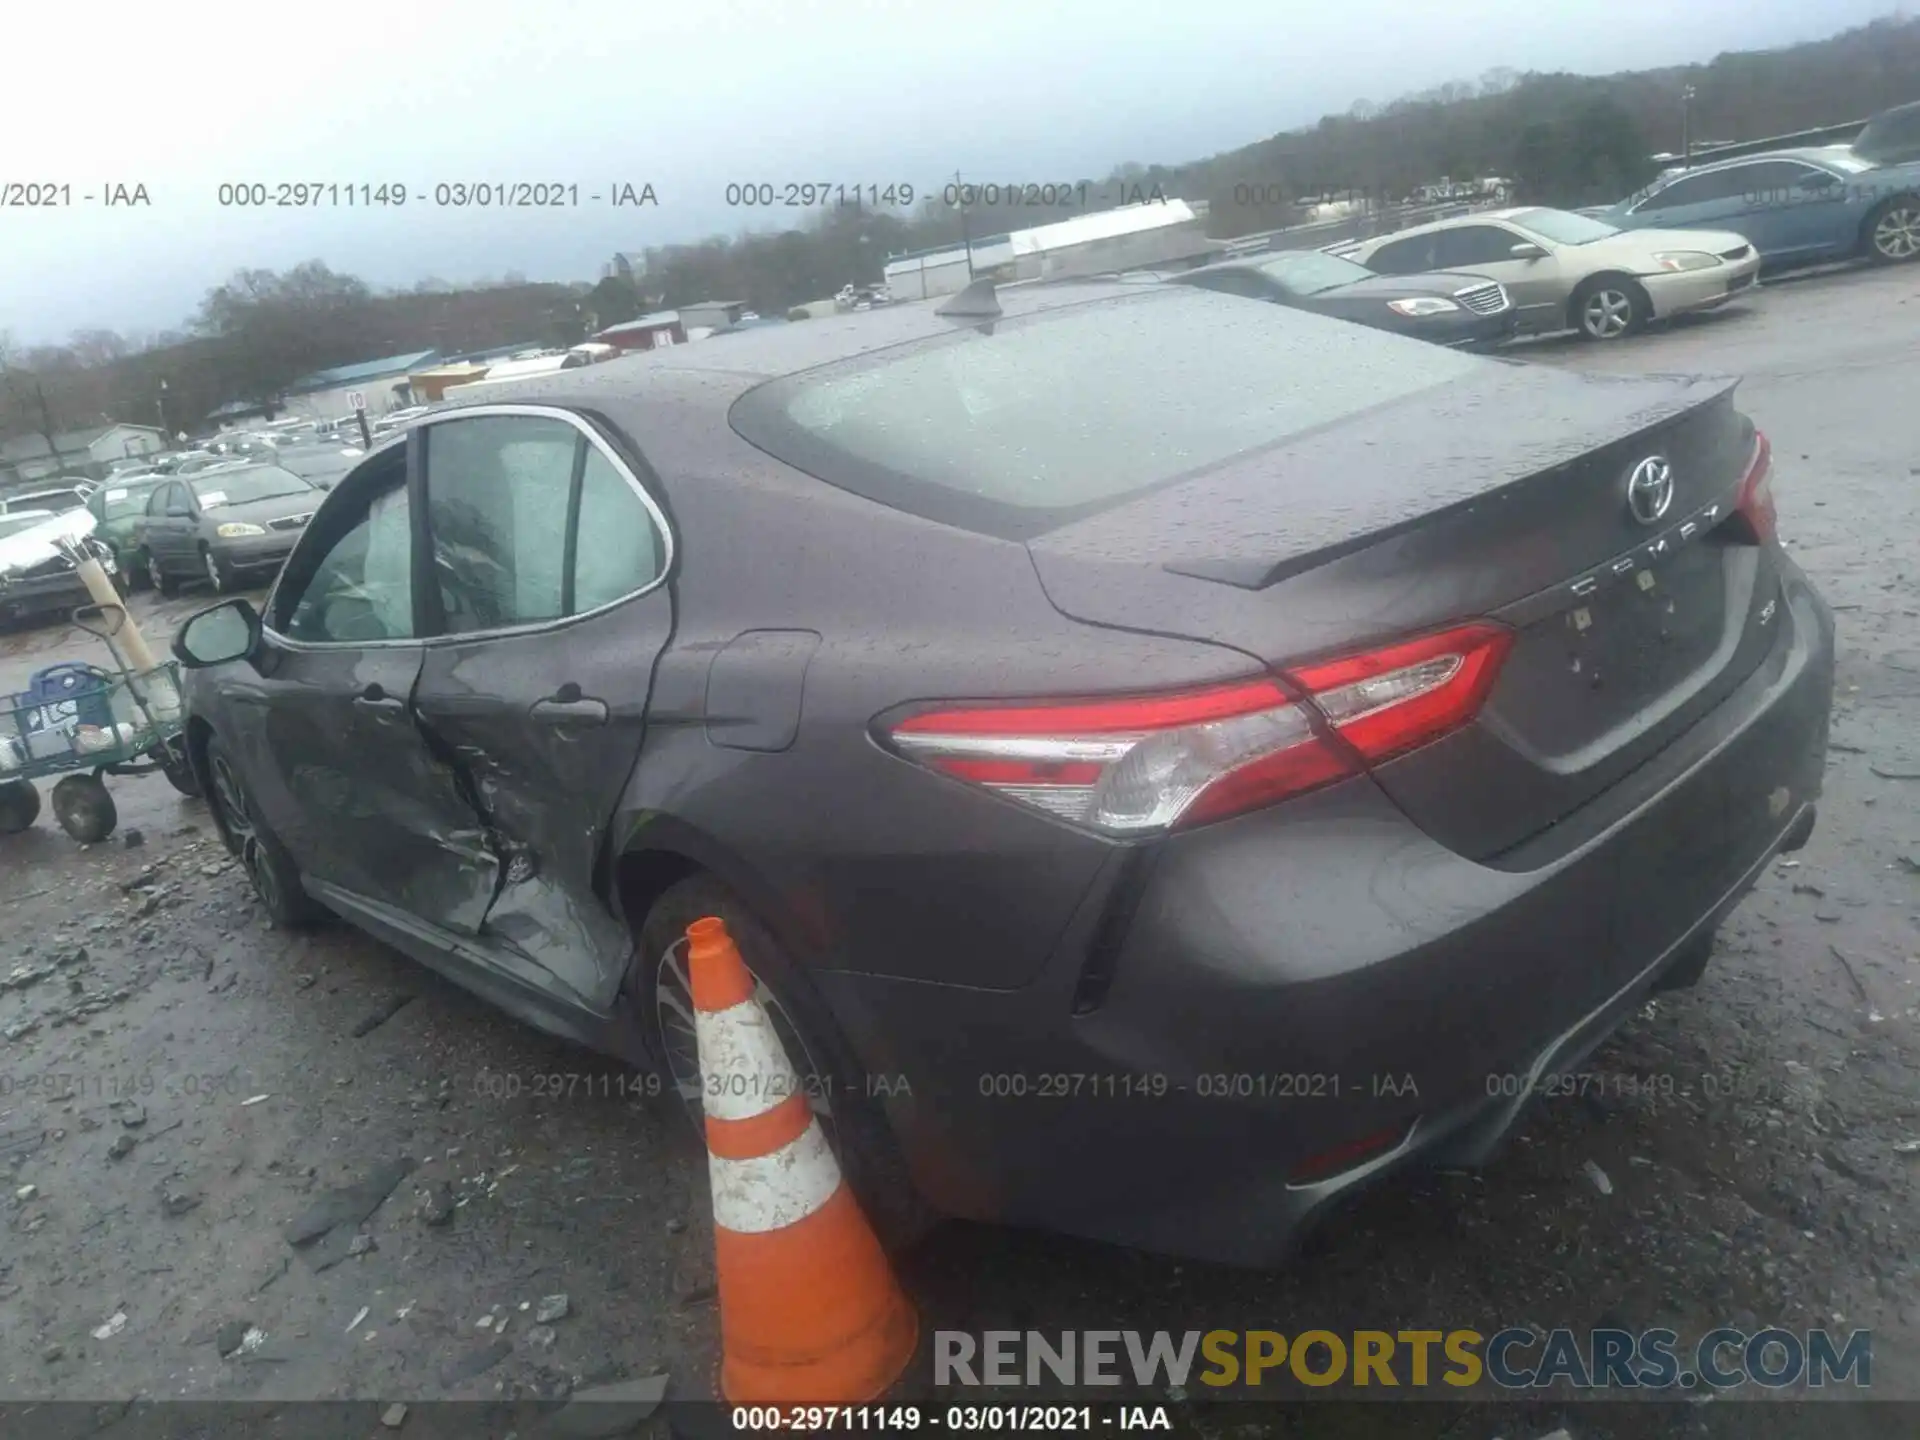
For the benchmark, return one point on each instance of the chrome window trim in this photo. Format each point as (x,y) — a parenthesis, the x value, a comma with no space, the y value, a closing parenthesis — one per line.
(471,412)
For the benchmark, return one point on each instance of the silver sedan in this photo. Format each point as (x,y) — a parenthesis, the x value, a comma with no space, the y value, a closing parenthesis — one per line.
(1573,272)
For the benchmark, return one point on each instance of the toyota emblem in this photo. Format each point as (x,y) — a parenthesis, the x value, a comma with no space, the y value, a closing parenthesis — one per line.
(1650,489)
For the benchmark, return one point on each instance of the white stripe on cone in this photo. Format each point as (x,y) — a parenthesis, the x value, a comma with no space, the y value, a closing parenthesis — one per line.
(743,1069)
(773,1191)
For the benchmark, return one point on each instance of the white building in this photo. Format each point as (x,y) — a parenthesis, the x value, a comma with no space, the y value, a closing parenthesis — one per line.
(88,451)
(926,273)
(1131,237)
(328,394)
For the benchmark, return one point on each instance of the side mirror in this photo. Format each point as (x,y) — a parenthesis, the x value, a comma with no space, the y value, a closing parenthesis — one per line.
(1819,180)
(1527,250)
(227,632)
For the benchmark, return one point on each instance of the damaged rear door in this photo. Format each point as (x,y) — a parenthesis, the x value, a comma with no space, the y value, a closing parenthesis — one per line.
(548,607)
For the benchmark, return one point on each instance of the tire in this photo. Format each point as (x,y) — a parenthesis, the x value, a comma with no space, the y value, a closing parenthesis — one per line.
(274,876)
(157,577)
(1609,307)
(829,1074)
(84,808)
(134,568)
(1686,970)
(218,575)
(19,806)
(171,756)
(1891,233)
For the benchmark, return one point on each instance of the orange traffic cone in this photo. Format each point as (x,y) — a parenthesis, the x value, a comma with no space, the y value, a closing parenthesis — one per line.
(810,1312)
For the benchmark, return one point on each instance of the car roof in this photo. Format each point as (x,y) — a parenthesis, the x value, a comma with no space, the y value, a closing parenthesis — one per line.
(1477,217)
(767,352)
(1811,154)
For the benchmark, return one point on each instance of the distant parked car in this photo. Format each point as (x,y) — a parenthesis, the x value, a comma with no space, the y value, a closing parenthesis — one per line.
(1892,137)
(118,507)
(1574,272)
(323,463)
(1445,307)
(1797,207)
(223,525)
(54,497)
(51,587)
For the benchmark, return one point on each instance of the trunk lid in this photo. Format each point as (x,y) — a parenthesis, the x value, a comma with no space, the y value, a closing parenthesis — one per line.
(1502,496)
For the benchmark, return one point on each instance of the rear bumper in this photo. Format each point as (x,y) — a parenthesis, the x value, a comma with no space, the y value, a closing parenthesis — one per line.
(1685,291)
(1308,977)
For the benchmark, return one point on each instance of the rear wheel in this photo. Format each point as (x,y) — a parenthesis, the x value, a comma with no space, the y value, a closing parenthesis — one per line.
(1609,307)
(832,1080)
(19,806)
(84,808)
(275,878)
(1892,231)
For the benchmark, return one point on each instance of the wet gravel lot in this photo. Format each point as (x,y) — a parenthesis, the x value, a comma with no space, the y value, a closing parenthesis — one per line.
(178,1083)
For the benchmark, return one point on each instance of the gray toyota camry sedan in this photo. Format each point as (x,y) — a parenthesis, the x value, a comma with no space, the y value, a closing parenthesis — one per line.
(1170,761)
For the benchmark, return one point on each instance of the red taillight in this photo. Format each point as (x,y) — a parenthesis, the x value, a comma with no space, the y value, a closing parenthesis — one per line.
(1755,502)
(1151,763)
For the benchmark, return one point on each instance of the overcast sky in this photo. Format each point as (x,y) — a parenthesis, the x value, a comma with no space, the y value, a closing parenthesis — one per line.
(687,97)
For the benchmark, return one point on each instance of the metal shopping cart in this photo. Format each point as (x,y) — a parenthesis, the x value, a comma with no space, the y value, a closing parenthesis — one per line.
(85,722)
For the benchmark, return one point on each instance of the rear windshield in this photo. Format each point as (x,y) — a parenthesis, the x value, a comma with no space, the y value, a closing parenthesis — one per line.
(1058,415)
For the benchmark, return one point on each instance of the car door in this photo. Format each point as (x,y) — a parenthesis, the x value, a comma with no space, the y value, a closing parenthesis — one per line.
(371,814)
(1538,286)
(1795,211)
(550,605)
(170,533)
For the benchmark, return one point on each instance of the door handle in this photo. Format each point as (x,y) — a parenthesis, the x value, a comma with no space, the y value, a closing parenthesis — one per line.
(376,699)
(568,708)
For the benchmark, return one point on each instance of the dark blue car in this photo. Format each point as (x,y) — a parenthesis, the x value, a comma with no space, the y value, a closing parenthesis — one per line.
(1796,207)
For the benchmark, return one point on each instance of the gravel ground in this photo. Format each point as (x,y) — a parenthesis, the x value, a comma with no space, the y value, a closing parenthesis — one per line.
(179,1084)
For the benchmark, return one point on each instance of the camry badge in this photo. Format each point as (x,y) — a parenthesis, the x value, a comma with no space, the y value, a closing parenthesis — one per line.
(1650,489)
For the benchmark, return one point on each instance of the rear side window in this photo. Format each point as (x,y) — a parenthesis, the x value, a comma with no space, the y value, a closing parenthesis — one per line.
(1697,190)
(617,550)
(497,490)
(1472,245)
(531,523)
(1404,257)
(1061,414)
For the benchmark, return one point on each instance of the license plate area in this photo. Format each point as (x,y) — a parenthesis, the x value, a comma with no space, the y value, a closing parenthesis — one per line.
(1577,675)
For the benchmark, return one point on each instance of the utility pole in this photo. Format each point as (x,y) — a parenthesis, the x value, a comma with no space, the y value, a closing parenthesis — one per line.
(46,423)
(160,404)
(1686,127)
(966,235)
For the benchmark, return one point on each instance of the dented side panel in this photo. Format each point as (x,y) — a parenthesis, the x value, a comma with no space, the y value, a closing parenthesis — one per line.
(355,793)
(518,718)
